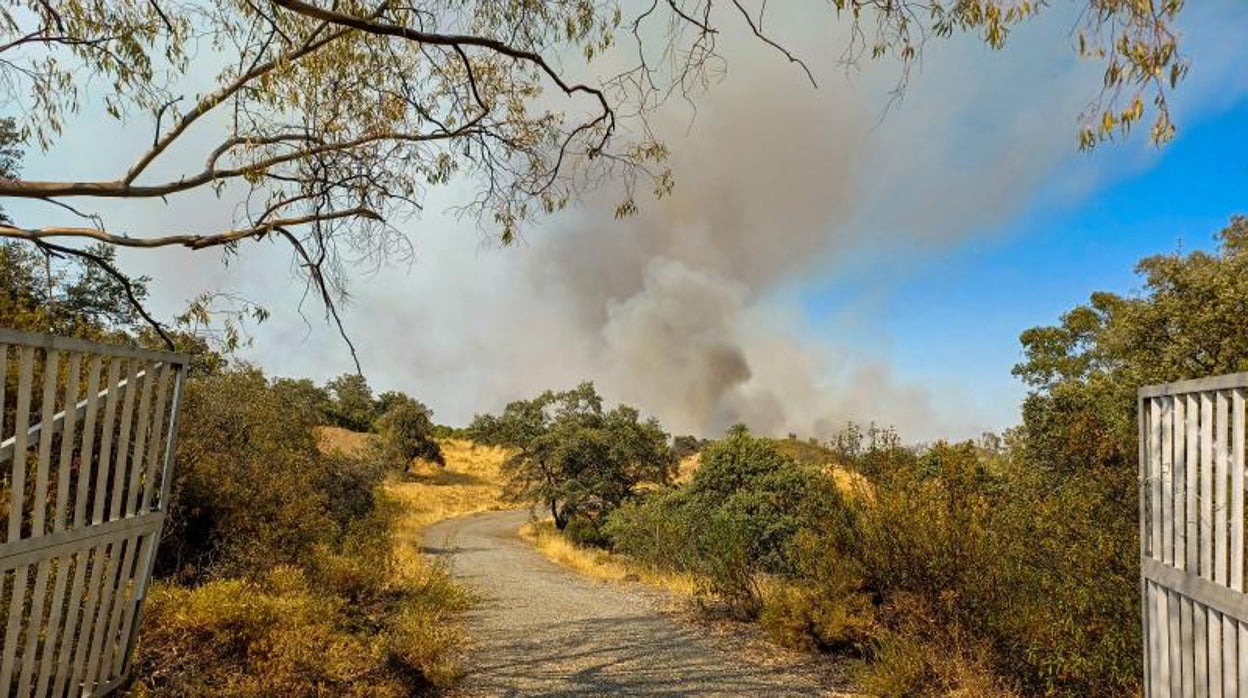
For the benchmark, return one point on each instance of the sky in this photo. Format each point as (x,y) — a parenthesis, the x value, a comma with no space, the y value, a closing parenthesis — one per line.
(820,259)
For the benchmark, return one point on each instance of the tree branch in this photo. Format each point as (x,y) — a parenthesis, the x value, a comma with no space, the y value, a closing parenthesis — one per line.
(193,242)
(126,285)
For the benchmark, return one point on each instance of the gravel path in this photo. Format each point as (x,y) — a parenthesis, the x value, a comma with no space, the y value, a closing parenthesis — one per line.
(543,630)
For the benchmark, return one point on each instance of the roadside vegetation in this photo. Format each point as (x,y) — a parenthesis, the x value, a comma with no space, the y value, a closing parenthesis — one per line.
(290,561)
(1006,566)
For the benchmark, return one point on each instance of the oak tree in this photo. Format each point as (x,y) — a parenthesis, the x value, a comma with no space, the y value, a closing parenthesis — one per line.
(573,456)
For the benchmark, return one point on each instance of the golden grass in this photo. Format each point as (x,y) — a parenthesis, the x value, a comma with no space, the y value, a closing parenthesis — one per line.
(601,564)
(851,483)
(686,467)
(469,483)
(343,441)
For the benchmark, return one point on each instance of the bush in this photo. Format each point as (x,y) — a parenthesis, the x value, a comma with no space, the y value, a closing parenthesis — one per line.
(920,653)
(354,620)
(735,521)
(251,489)
(282,635)
(588,532)
(272,636)
(406,430)
(827,608)
(1038,568)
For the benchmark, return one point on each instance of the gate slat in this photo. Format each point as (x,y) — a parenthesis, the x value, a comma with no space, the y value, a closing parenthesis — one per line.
(86,632)
(1165,466)
(145,550)
(38,527)
(1171,615)
(158,443)
(106,441)
(1237,528)
(121,600)
(21,422)
(86,458)
(1182,551)
(1143,408)
(73,618)
(123,441)
(21,425)
(38,518)
(69,433)
(137,456)
(1222,542)
(1220,501)
(110,562)
(1209,536)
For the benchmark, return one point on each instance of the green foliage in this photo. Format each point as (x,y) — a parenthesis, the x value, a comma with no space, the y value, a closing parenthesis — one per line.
(351,406)
(278,567)
(251,488)
(573,455)
(736,520)
(65,297)
(586,532)
(406,429)
(687,445)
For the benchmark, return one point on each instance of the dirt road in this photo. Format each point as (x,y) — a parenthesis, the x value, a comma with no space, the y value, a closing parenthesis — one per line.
(543,630)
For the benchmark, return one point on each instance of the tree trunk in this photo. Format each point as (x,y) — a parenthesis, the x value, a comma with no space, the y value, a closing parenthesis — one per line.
(561,521)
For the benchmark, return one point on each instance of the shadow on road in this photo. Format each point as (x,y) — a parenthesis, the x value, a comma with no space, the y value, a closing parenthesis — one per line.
(627,656)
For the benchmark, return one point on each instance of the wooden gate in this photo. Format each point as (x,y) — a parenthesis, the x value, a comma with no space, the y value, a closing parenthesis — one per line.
(1195,612)
(86,455)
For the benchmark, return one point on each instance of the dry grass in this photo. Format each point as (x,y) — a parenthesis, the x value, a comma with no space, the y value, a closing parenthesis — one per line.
(684,471)
(343,441)
(601,564)
(468,483)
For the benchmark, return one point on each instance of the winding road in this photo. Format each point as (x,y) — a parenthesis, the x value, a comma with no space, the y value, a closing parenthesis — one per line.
(542,630)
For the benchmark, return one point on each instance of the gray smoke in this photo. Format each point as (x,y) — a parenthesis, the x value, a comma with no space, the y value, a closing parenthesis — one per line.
(691,309)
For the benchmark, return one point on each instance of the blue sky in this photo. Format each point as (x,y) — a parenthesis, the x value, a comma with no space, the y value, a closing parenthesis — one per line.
(954,319)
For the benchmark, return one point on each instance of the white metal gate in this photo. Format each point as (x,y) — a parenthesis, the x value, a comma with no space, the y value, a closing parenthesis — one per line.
(1195,613)
(86,456)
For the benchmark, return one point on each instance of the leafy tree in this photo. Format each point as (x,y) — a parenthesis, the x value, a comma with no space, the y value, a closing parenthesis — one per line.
(1073,495)
(687,445)
(308,399)
(389,399)
(406,429)
(1188,321)
(573,455)
(439,88)
(351,406)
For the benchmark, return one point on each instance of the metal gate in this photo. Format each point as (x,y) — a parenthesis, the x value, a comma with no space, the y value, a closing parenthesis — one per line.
(1195,613)
(86,455)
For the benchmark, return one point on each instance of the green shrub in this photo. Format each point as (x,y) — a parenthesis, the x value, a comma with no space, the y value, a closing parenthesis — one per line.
(251,489)
(586,531)
(406,430)
(1040,568)
(735,521)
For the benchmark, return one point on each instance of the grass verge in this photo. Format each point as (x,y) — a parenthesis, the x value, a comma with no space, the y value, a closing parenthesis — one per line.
(602,564)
